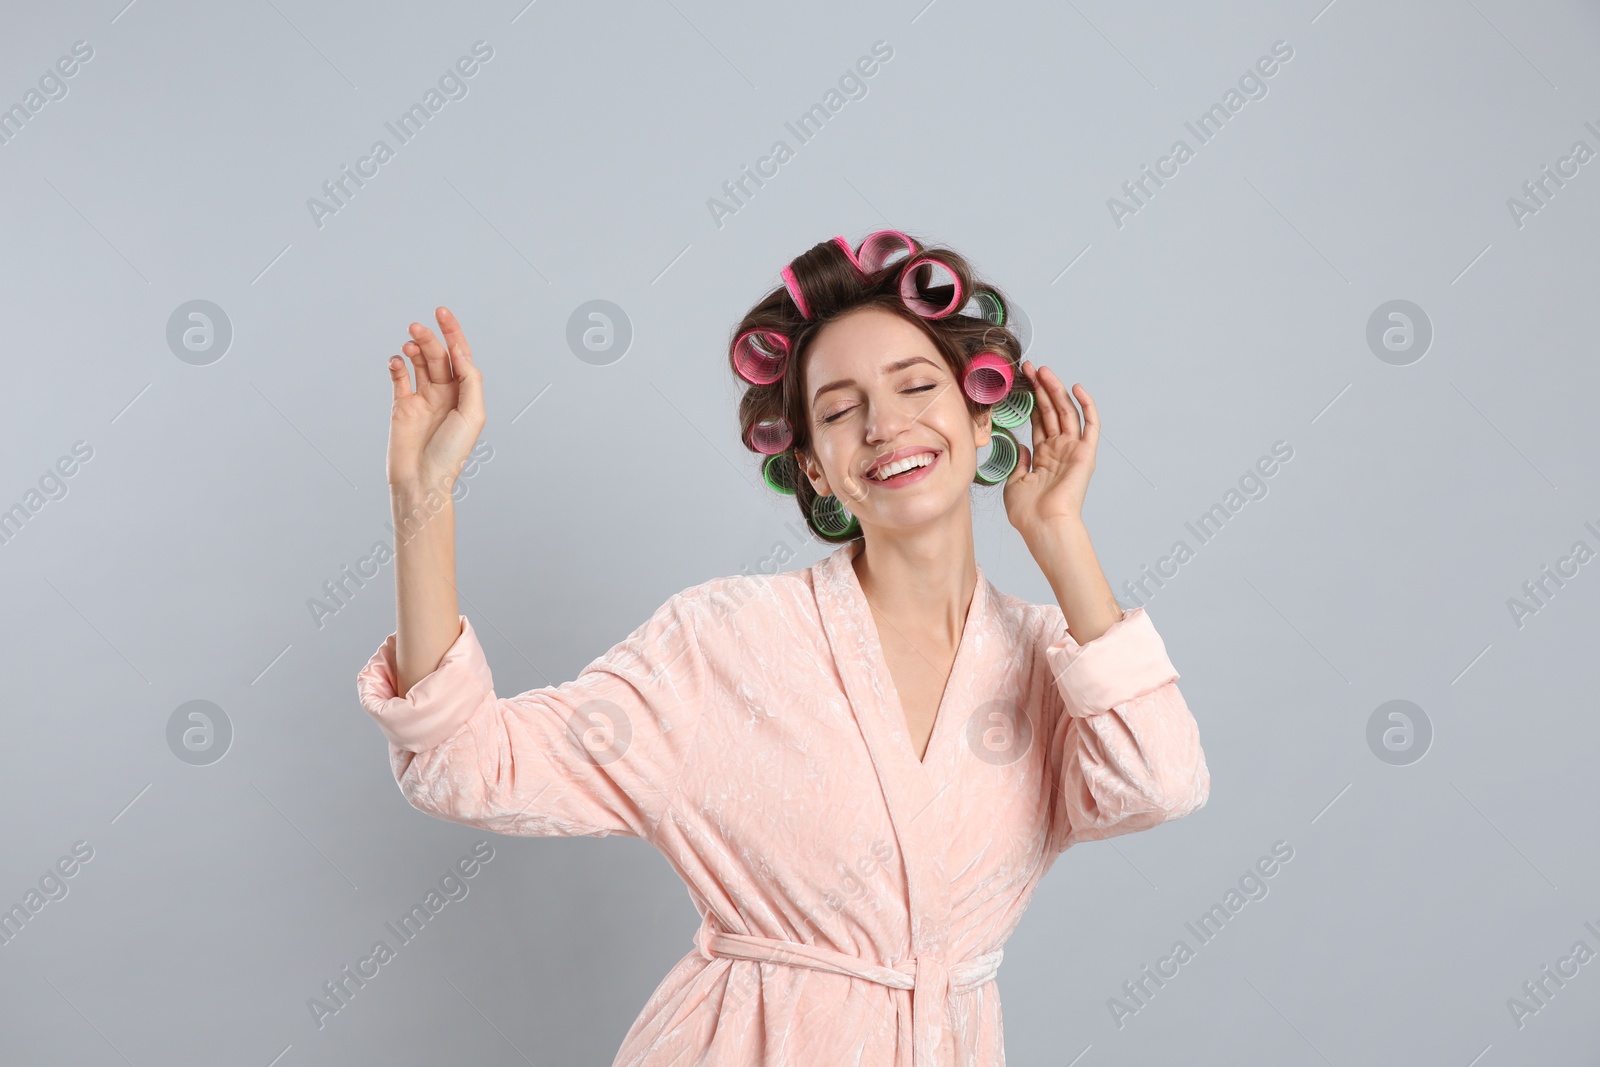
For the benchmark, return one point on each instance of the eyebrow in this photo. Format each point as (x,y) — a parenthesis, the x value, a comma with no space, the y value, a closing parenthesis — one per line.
(890,368)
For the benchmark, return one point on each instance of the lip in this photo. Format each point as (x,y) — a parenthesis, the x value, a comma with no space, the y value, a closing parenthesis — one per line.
(899,454)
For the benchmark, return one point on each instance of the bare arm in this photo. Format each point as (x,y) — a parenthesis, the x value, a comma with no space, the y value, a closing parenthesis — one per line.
(1067,557)
(1044,501)
(432,429)
(428,618)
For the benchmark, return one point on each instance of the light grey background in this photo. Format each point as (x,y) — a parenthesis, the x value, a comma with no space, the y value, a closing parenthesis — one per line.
(1228,314)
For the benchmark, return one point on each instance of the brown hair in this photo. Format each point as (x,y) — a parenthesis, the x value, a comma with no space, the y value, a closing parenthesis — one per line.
(832,286)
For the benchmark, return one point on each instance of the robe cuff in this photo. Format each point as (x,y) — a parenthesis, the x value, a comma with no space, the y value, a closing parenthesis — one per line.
(441,701)
(1127,661)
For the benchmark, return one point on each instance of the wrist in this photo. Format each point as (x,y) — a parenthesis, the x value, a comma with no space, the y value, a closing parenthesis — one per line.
(414,506)
(419,487)
(1055,531)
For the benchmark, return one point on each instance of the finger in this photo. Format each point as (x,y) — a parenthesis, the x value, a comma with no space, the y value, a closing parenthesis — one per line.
(433,351)
(453,337)
(1036,418)
(399,377)
(1091,415)
(1024,463)
(1045,405)
(1063,401)
(419,367)
(470,400)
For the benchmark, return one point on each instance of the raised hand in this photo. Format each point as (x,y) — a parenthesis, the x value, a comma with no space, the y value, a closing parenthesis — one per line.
(433,427)
(1050,480)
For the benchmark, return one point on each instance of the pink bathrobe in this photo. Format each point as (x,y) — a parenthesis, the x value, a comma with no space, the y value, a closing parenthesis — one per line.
(854,899)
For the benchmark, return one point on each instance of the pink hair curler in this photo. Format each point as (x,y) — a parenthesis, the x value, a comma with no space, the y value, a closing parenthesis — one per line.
(873,257)
(910,292)
(793,285)
(876,250)
(988,378)
(761,356)
(770,436)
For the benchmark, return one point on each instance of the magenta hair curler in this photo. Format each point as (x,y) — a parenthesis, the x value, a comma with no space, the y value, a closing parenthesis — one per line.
(770,436)
(874,255)
(911,292)
(988,378)
(876,250)
(793,285)
(761,356)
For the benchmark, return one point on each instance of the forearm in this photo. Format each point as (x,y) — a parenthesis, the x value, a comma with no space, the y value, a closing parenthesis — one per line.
(1067,558)
(427,616)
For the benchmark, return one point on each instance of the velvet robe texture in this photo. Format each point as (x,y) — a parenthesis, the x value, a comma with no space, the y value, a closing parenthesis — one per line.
(854,899)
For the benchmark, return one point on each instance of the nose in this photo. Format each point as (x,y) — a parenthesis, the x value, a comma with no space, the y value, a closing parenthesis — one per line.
(886,419)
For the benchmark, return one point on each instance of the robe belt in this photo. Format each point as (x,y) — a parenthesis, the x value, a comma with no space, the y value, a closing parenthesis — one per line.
(925,974)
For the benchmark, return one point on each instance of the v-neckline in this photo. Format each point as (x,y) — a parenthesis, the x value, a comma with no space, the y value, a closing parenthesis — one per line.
(878,663)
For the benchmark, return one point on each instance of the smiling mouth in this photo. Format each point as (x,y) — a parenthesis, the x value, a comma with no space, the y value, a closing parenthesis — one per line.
(918,464)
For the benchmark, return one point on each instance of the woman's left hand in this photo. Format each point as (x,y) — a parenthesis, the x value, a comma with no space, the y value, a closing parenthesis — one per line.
(1051,478)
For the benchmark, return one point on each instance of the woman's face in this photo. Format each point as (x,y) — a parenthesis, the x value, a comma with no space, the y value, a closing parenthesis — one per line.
(875,386)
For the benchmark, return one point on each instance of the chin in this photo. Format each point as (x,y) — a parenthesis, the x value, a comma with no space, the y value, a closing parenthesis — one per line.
(930,507)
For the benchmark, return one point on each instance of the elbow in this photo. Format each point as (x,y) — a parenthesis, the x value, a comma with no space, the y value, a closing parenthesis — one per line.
(1176,777)
(435,797)
(1183,789)
(1162,792)
(1124,807)
(409,777)
(422,784)
(1190,802)
(468,779)
(1129,782)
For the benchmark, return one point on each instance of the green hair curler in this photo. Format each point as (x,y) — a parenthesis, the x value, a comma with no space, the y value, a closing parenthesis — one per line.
(1014,410)
(831,517)
(986,304)
(781,472)
(1003,456)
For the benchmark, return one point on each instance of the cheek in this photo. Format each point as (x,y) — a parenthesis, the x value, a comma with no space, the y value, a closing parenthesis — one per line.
(955,423)
(828,457)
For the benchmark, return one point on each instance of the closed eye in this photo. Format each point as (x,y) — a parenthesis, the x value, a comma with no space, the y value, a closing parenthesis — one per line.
(846,411)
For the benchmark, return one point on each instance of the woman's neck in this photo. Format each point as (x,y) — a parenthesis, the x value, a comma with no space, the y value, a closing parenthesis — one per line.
(925,582)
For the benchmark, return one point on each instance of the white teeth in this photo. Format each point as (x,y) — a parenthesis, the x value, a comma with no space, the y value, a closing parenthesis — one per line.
(889,470)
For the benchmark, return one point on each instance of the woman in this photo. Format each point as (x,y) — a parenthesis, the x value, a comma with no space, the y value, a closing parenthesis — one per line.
(863,768)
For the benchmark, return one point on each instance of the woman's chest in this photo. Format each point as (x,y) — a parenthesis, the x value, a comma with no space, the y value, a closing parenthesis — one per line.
(919,670)
(810,771)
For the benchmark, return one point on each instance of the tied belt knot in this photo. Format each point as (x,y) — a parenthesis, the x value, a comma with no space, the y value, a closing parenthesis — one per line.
(925,974)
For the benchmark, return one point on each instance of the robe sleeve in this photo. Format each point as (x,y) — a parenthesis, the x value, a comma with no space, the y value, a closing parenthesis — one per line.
(595,756)
(1127,749)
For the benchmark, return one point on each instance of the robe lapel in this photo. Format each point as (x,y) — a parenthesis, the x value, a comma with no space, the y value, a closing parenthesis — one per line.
(913,790)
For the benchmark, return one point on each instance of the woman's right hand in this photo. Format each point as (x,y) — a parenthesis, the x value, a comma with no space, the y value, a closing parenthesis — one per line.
(432,429)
